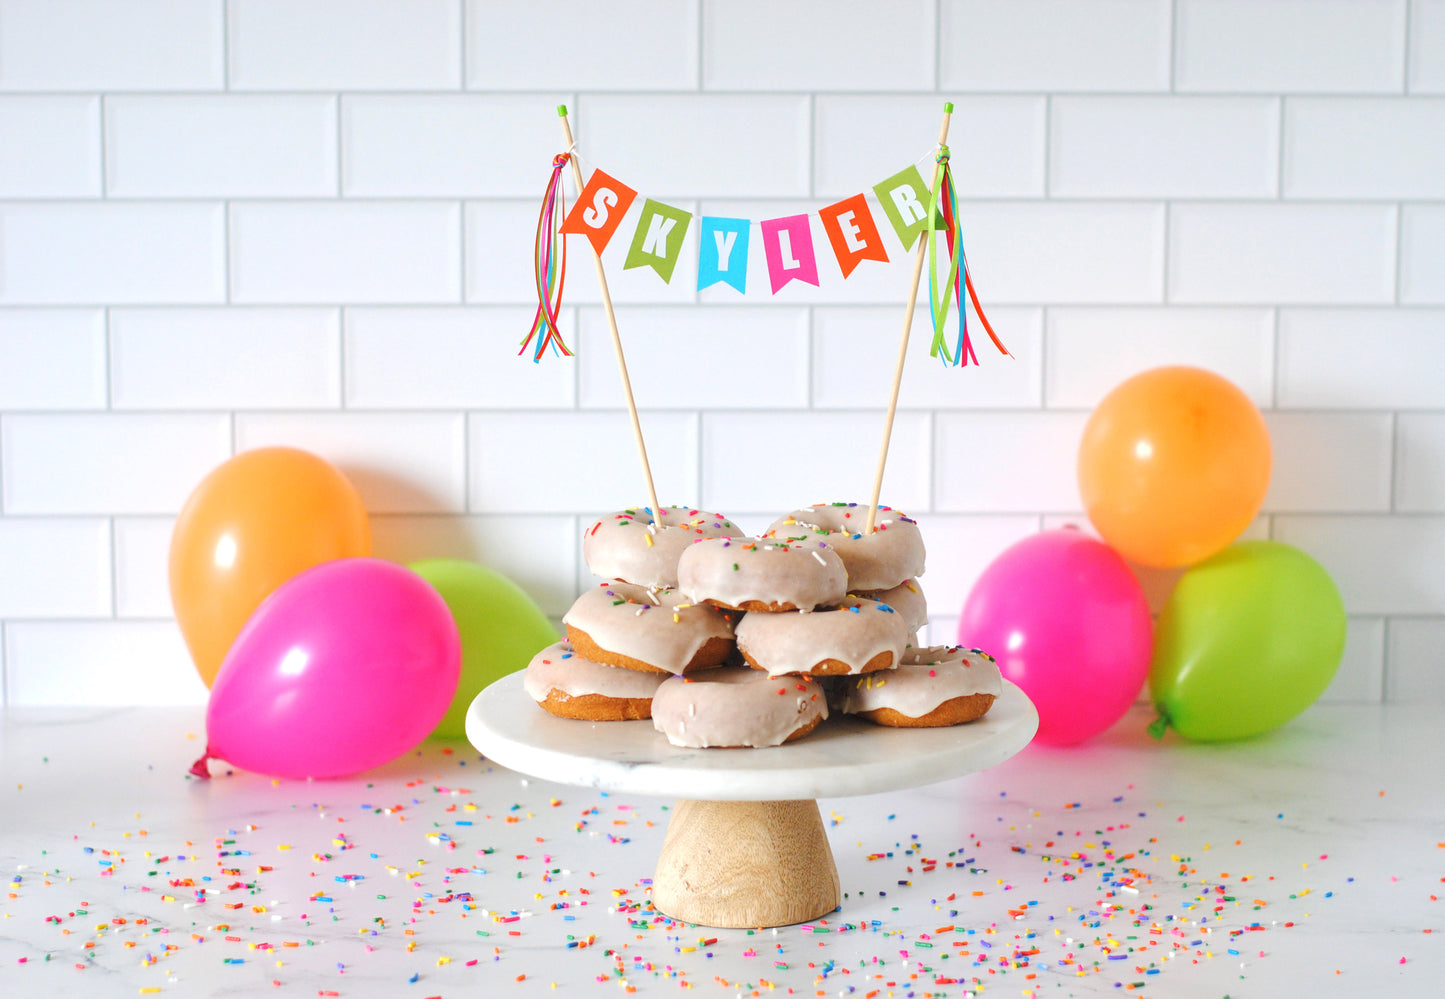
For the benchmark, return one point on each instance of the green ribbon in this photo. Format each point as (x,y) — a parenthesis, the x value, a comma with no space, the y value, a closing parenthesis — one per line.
(936,301)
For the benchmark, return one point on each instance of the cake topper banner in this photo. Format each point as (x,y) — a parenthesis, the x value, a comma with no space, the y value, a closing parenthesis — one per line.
(724,245)
(907,202)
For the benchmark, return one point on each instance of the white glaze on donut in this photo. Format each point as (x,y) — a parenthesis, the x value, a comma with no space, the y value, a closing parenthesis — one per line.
(735,573)
(630,546)
(906,598)
(854,634)
(658,627)
(735,706)
(558,668)
(928,677)
(877,561)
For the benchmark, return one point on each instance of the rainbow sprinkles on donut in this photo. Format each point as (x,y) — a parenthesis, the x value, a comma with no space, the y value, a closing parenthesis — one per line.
(761,636)
(724,640)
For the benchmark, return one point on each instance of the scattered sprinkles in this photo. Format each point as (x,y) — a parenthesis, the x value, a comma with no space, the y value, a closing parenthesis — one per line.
(1038,894)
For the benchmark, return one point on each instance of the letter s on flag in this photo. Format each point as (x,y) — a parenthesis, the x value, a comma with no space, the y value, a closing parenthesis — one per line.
(591,215)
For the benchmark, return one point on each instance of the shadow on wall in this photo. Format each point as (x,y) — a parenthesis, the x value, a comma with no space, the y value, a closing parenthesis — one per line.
(410,537)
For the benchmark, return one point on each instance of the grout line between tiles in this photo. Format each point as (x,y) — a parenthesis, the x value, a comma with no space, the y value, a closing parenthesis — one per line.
(462,45)
(700,432)
(1173,46)
(810,402)
(1044,339)
(932,463)
(462,253)
(1165,254)
(466,463)
(1405,56)
(226,255)
(340,147)
(1395,464)
(812,145)
(1281,151)
(1399,253)
(226,45)
(341,322)
(937,46)
(114,570)
(109,366)
(1385,684)
(1274,361)
(1048,146)
(104,169)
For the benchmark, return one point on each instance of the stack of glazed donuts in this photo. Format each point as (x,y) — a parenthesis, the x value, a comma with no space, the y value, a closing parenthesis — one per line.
(726,640)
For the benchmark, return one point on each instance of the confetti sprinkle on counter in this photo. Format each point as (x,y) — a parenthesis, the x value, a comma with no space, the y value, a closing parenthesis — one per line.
(1058,873)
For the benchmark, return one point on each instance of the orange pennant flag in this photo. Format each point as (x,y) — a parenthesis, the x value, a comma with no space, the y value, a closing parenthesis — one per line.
(853,233)
(599,209)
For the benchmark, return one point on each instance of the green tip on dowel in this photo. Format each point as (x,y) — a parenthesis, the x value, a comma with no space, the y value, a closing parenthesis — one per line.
(561,110)
(947,107)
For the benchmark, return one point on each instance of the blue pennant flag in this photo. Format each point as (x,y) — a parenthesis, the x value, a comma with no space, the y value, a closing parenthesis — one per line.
(723,253)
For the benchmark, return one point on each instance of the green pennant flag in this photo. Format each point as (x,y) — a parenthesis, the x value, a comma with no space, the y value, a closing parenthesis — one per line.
(657,243)
(904,198)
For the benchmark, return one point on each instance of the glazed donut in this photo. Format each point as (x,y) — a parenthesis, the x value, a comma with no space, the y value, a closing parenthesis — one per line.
(860,636)
(934,687)
(565,684)
(657,631)
(735,706)
(630,546)
(759,575)
(907,599)
(877,561)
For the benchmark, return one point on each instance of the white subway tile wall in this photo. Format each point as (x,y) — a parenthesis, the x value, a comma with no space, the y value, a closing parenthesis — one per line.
(225,225)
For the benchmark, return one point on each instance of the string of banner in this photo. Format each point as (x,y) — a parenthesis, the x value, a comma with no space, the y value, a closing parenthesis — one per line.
(908,204)
(724,245)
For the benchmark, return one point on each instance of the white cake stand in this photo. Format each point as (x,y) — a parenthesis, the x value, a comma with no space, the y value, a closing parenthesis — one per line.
(745,846)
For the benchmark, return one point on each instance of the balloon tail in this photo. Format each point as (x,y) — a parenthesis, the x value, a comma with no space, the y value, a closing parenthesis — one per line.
(1159,726)
(199,768)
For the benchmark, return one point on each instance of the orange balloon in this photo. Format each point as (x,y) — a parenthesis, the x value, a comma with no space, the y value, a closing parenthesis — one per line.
(253,523)
(1174,465)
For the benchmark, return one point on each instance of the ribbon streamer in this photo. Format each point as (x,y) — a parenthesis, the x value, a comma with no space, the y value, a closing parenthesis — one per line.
(938,299)
(550,256)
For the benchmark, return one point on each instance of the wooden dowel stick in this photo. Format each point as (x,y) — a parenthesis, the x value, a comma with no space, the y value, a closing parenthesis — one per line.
(903,342)
(612,325)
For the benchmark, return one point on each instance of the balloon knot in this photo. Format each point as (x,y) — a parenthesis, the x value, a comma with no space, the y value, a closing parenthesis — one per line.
(1159,726)
(199,768)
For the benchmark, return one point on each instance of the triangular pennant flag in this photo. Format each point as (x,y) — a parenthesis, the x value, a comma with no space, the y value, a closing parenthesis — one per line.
(657,243)
(723,252)
(599,209)
(788,246)
(904,198)
(852,233)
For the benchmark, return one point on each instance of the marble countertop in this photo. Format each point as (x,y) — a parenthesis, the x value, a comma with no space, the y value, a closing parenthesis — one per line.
(1309,862)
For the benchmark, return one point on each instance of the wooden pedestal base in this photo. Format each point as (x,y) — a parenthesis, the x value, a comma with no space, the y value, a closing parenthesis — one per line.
(746,864)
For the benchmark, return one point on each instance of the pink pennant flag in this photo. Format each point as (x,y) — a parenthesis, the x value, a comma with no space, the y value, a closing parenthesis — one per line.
(788,246)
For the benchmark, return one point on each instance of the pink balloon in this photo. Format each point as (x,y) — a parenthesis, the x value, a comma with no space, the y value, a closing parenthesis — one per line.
(1069,624)
(344,667)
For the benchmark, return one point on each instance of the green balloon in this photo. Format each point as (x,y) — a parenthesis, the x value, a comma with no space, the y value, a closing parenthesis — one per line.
(501,629)
(1249,639)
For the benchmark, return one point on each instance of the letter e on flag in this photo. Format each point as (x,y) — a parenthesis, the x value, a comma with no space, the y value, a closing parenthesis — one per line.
(852,232)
